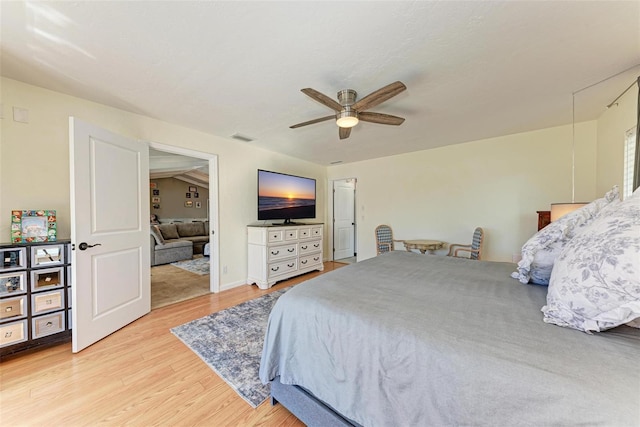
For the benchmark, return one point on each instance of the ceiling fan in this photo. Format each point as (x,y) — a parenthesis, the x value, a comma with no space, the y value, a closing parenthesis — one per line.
(349,111)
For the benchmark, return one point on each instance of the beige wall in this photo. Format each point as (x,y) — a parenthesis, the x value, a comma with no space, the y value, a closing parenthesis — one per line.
(173,197)
(497,183)
(612,125)
(35,164)
(443,193)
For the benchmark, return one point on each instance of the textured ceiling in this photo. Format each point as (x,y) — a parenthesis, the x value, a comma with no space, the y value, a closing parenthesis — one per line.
(473,69)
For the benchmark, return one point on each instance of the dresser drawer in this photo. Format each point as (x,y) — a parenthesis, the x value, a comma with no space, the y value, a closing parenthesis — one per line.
(284,251)
(291,234)
(316,232)
(310,261)
(275,236)
(48,325)
(47,278)
(283,267)
(310,247)
(47,301)
(13,308)
(304,233)
(13,283)
(13,333)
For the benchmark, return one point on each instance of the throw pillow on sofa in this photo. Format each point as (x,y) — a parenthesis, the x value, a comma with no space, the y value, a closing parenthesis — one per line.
(157,235)
(169,231)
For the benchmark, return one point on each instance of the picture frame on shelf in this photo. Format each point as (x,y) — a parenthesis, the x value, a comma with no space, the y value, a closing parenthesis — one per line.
(196,195)
(153,185)
(198,205)
(193,189)
(187,195)
(33,226)
(156,192)
(155,200)
(188,204)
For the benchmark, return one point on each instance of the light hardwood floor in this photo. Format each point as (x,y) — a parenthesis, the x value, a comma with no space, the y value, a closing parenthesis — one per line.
(141,375)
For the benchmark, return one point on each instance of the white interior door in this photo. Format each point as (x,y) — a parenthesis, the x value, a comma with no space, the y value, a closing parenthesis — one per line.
(109,230)
(344,218)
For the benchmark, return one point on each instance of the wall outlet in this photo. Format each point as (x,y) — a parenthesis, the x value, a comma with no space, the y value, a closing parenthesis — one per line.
(224,270)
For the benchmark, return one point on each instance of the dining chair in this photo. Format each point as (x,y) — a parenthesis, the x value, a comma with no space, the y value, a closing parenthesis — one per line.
(384,239)
(473,251)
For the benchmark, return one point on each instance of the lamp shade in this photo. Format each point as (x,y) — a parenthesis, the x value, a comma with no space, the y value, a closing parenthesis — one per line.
(558,210)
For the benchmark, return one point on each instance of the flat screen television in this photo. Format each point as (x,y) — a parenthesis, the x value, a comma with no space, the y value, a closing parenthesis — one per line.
(285,197)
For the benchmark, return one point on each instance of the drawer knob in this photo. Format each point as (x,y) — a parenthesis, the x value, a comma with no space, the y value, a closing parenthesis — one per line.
(275,268)
(49,324)
(290,265)
(275,252)
(290,250)
(304,262)
(305,247)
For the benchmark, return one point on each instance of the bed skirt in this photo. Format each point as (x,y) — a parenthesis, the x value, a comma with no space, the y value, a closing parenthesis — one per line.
(306,407)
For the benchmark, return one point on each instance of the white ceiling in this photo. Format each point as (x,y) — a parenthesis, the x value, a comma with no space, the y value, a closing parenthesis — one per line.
(473,70)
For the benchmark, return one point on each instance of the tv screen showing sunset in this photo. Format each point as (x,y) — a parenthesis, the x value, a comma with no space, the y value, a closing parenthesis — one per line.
(283,196)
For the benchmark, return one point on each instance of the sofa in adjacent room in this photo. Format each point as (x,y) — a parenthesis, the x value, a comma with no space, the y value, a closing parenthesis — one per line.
(177,242)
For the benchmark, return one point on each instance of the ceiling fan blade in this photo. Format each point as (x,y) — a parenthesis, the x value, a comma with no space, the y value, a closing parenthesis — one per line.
(322,98)
(310,122)
(379,96)
(344,133)
(385,119)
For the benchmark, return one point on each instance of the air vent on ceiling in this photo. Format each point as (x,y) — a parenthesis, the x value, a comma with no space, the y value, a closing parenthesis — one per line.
(241,137)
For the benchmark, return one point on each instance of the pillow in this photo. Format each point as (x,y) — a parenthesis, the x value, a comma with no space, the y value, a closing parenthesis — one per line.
(169,231)
(541,250)
(157,235)
(595,283)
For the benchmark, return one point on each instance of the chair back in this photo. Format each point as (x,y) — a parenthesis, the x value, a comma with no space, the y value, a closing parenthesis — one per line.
(384,239)
(476,243)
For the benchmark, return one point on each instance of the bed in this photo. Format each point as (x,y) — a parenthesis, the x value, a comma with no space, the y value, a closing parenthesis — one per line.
(405,339)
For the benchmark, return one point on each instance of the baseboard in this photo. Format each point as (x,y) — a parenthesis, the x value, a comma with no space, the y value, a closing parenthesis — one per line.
(231,285)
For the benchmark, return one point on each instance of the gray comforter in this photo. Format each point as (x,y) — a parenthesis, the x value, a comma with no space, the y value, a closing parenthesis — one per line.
(405,339)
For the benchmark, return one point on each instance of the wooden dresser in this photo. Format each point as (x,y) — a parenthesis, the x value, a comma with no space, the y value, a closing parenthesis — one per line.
(280,252)
(544,219)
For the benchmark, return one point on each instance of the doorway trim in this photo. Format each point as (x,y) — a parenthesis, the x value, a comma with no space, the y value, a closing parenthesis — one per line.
(214,215)
(331,211)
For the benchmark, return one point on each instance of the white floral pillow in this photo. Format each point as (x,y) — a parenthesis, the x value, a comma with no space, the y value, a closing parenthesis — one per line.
(595,283)
(541,250)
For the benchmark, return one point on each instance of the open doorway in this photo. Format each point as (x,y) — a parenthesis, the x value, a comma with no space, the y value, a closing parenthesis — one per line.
(183,208)
(344,220)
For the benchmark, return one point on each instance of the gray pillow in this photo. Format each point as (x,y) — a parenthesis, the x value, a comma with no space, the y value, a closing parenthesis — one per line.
(157,235)
(169,231)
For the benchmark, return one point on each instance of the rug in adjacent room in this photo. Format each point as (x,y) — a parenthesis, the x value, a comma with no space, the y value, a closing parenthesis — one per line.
(198,265)
(230,342)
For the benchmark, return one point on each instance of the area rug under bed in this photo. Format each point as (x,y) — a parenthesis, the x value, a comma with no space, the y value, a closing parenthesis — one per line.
(230,342)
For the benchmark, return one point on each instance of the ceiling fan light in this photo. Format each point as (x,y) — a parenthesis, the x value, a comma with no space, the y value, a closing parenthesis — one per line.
(347,118)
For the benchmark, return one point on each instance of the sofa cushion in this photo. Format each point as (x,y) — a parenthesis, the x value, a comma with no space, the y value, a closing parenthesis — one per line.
(169,231)
(157,235)
(190,229)
(172,244)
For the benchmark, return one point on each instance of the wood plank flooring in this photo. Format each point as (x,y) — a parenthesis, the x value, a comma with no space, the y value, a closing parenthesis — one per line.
(141,375)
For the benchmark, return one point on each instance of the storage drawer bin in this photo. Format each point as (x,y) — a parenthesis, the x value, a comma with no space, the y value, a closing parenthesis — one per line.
(49,324)
(13,283)
(13,308)
(47,301)
(47,255)
(13,259)
(47,278)
(13,333)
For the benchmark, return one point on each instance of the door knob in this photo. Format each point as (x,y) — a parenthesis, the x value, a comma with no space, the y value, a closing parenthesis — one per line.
(84,246)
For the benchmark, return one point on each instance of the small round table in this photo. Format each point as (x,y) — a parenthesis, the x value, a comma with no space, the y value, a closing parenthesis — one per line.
(423,245)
